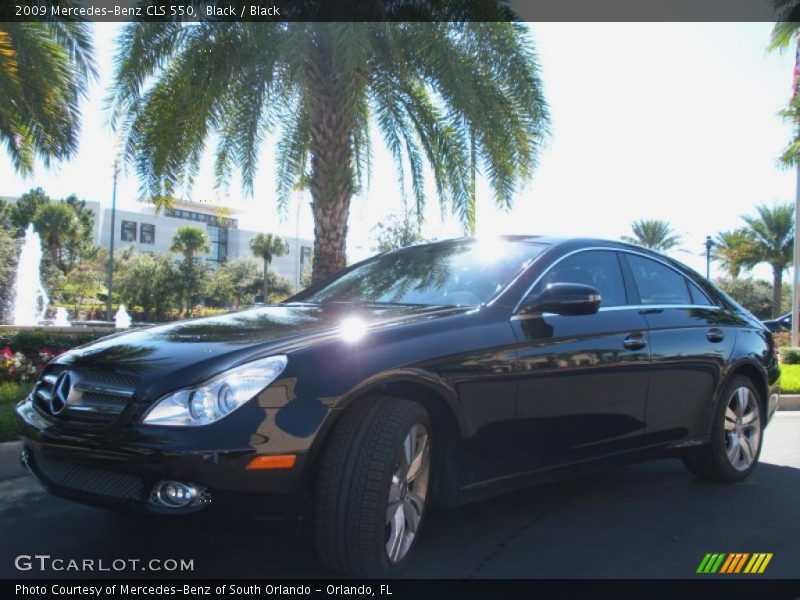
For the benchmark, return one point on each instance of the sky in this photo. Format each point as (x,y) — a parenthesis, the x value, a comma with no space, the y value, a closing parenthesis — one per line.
(672,121)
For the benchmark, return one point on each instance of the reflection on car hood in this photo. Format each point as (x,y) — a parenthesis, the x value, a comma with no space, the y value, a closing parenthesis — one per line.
(227,339)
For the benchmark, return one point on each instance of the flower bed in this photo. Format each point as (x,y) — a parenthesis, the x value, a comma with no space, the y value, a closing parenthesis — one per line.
(24,352)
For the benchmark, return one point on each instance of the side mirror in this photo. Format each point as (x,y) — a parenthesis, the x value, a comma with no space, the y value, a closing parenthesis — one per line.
(564,299)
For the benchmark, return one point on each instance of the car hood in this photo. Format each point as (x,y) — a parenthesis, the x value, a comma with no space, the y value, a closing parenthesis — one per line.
(212,344)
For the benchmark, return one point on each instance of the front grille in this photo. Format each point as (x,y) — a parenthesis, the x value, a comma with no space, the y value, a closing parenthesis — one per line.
(93,397)
(99,482)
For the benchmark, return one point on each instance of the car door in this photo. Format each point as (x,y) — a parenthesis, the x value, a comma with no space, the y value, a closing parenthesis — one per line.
(583,380)
(690,341)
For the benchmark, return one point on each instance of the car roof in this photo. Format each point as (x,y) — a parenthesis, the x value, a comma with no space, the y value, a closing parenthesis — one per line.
(577,242)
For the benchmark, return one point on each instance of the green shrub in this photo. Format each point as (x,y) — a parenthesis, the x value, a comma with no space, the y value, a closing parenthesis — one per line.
(10,394)
(32,341)
(790,379)
(790,356)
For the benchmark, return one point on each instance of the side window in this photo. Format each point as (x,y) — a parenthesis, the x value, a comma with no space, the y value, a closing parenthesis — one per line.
(600,269)
(698,296)
(657,283)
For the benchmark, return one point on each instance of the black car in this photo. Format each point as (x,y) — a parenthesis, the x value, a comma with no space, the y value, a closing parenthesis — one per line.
(778,324)
(436,374)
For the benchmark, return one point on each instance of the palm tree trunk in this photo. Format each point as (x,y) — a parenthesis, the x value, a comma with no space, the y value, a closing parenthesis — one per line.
(331,178)
(777,289)
(266,279)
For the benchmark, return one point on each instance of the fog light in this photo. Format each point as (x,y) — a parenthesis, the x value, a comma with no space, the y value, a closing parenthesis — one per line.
(174,494)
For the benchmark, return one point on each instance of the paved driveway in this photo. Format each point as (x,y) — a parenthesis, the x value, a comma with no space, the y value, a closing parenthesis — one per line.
(649,520)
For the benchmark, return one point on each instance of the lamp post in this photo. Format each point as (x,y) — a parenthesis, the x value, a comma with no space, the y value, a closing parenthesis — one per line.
(109,315)
(709,245)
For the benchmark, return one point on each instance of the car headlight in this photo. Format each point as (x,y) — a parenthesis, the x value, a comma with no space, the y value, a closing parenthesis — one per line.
(218,397)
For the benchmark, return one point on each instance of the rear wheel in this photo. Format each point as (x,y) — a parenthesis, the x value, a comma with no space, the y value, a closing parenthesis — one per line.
(736,436)
(372,487)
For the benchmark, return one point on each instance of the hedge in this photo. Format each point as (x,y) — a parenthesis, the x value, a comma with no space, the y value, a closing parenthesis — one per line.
(31,341)
(790,356)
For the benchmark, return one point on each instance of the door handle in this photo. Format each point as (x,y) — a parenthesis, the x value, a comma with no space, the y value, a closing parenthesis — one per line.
(635,341)
(715,335)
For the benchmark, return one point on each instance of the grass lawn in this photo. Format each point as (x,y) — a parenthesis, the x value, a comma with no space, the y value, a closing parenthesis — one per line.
(10,394)
(790,379)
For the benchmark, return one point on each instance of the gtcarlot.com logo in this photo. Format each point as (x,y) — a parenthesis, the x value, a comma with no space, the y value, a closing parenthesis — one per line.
(45,562)
(734,563)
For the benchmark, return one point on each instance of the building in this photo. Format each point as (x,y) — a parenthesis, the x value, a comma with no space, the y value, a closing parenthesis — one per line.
(149,231)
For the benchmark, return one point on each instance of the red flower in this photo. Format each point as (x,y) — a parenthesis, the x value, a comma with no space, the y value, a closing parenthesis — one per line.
(7,352)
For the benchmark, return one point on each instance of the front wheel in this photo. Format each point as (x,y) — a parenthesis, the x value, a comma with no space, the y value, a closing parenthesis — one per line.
(372,487)
(736,436)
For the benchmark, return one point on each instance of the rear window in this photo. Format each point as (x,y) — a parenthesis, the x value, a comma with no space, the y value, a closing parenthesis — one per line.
(657,283)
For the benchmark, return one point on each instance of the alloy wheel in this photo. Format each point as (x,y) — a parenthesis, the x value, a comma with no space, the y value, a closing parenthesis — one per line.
(407,493)
(742,428)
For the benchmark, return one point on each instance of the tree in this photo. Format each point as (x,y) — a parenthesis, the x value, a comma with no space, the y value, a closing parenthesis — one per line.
(194,280)
(399,233)
(784,36)
(5,210)
(22,212)
(148,280)
(733,249)
(242,277)
(81,245)
(654,234)
(772,242)
(188,241)
(766,238)
(754,294)
(279,288)
(9,252)
(266,247)
(45,69)
(81,283)
(442,93)
(57,224)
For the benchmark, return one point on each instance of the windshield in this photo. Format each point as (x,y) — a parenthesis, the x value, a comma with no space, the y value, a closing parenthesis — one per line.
(460,273)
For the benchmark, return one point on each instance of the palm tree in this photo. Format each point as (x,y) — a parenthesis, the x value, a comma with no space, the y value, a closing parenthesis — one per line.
(267,246)
(784,36)
(436,91)
(771,241)
(58,225)
(188,241)
(654,234)
(733,250)
(45,69)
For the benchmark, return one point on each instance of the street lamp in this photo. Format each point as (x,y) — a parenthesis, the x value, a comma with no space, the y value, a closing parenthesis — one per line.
(709,245)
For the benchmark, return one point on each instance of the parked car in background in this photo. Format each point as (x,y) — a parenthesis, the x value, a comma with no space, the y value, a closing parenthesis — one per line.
(435,374)
(782,323)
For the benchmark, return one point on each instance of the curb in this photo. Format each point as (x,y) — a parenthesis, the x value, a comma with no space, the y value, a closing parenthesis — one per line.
(789,402)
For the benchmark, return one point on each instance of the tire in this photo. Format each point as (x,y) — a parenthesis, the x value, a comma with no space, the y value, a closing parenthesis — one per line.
(736,437)
(364,462)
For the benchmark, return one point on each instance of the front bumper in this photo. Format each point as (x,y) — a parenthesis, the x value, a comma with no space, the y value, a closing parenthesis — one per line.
(122,469)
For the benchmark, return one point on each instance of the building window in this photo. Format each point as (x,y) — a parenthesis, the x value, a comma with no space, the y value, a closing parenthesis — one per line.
(218,236)
(147,233)
(211,219)
(128,231)
(305,255)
